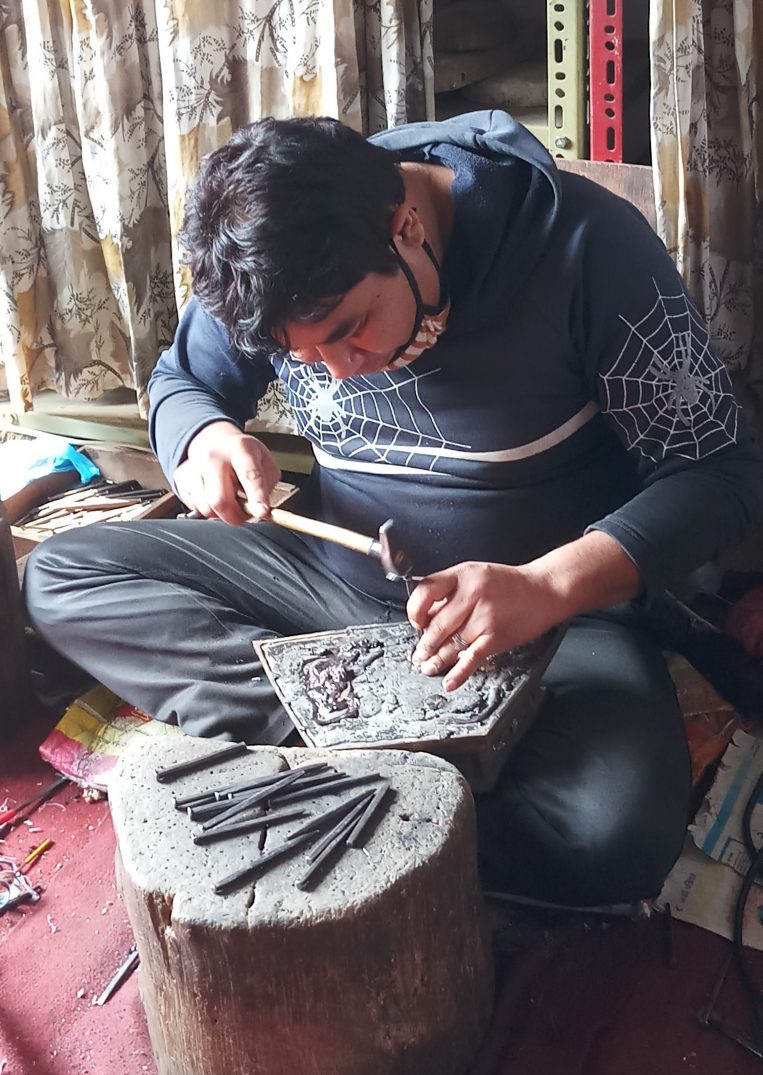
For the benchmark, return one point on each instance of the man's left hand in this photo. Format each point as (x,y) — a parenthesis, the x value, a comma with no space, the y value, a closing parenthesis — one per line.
(474,611)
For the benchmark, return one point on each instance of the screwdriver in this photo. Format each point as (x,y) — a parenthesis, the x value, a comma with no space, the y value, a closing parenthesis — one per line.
(9,816)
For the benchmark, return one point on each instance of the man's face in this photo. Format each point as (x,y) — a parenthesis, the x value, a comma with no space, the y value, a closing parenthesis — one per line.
(363,333)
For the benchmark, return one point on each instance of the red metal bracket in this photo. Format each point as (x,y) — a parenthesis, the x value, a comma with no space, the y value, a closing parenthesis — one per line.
(605,38)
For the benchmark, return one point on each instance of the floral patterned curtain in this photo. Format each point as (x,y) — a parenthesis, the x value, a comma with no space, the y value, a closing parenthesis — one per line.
(707,148)
(106,109)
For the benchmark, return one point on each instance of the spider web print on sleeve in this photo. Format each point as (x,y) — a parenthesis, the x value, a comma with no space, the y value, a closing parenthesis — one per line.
(381,419)
(666,389)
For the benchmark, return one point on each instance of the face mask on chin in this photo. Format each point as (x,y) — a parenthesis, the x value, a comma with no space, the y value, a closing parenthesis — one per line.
(429,322)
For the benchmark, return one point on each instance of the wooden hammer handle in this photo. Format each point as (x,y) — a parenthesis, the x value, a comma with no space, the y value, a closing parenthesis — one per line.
(315,528)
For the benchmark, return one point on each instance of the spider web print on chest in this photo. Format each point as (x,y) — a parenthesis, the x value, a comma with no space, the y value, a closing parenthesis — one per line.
(666,389)
(381,419)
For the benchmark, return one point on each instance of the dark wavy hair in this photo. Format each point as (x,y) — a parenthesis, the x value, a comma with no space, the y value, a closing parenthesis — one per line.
(283,220)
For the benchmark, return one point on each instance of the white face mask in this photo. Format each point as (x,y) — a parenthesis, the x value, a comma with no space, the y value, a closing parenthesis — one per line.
(430,322)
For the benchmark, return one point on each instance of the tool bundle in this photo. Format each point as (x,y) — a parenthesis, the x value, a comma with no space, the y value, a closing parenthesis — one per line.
(253,805)
(97,501)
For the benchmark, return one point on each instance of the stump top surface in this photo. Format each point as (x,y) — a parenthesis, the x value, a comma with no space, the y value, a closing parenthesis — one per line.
(155,840)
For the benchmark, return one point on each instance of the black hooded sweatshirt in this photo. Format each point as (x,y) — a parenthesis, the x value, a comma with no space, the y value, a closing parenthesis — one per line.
(574,388)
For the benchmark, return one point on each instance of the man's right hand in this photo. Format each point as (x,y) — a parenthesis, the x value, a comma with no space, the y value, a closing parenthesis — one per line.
(222,467)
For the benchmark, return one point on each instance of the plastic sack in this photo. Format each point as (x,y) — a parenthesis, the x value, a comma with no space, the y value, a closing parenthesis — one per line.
(95,732)
(22,461)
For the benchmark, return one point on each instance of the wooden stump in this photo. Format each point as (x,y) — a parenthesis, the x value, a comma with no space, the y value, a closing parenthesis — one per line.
(382,969)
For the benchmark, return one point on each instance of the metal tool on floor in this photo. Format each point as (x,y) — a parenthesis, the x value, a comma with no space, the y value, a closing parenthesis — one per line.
(123,972)
(35,854)
(15,814)
(708,1015)
(14,886)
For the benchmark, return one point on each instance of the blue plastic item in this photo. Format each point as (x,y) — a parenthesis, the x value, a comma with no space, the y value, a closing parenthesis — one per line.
(22,461)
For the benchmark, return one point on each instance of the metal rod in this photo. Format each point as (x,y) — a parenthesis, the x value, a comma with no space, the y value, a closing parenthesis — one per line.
(209,810)
(239,828)
(194,798)
(330,844)
(341,784)
(307,790)
(199,799)
(717,1022)
(240,877)
(317,782)
(319,821)
(33,800)
(341,826)
(248,802)
(122,974)
(670,947)
(172,772)
(302,771)
(708,1017)
(356,837)
(705,1013)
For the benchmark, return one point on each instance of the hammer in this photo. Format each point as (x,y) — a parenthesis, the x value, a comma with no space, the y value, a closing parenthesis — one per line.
(386,548)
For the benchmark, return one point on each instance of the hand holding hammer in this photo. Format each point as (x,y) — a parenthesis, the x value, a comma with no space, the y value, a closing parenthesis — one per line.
(221,457)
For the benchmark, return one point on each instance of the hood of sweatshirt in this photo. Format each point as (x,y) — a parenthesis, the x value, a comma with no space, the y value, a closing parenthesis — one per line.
(507,197)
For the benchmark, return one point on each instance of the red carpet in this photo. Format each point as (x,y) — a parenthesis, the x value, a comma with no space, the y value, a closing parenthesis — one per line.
(585,996)
(58,954)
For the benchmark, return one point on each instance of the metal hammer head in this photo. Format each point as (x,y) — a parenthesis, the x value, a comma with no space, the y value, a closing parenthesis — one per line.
(394,559)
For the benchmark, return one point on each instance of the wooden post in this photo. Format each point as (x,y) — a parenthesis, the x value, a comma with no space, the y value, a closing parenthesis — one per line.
(384,968)
(15,692)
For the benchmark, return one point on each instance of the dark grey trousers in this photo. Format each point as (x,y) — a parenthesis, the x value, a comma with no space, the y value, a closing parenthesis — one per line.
(592,806)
